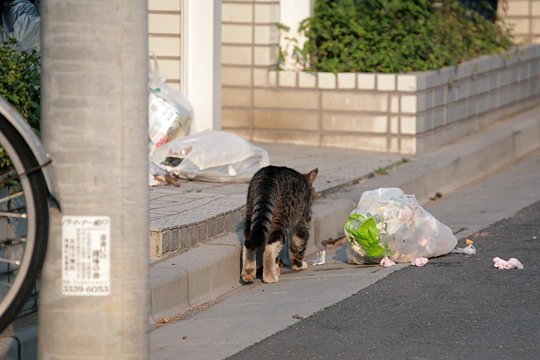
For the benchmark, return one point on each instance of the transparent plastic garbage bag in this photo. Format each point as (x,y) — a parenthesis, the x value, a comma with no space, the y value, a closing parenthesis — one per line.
(169,112)
(388,222)
(210,155)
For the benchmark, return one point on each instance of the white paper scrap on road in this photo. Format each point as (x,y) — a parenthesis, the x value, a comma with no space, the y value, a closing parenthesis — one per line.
(319,258)
(419,261)
(512,263)
(386,262)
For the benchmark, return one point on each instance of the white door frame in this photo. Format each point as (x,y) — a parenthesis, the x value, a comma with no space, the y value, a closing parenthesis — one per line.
(201,61)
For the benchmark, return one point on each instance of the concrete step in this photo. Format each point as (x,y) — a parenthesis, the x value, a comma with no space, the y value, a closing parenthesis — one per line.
(452,166)
(187,216)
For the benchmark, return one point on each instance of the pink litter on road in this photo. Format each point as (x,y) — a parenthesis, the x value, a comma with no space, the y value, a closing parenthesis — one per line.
(386,262)
(512,263)
(419,261)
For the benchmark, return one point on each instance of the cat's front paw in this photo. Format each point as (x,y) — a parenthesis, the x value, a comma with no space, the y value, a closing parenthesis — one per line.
(271,277)
(248,275)
(298,268)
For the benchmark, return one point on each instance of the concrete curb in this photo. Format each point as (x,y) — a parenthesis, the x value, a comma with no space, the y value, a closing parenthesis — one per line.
(213,269)
(199,275)
(208,271)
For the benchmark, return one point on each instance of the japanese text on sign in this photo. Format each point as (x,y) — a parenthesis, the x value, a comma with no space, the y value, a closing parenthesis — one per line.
(86,255)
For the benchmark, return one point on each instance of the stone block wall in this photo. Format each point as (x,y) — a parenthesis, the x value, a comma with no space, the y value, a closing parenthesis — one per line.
(164,38)
(402,113)
(249,51)
(524,16)
(405,113)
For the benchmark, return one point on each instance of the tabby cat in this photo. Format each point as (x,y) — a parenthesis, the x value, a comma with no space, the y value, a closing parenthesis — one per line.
(279,200)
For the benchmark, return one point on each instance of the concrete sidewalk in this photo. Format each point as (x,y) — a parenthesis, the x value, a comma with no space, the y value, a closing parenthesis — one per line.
(185,216)
(195,229)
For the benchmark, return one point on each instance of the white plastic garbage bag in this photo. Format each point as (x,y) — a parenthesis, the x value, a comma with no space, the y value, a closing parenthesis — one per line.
(389,223)
(169,112)
(210,155)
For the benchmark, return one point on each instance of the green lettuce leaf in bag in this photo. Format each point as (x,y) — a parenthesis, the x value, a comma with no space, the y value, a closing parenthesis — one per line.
(363,231)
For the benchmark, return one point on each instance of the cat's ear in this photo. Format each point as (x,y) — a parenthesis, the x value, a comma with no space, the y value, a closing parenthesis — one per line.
(311,176)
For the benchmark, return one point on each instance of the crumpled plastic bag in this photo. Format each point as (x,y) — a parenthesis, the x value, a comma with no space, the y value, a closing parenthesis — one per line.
(468,250)
(211,156)
(511,263)
(389,223)
(169,112)
(20,20)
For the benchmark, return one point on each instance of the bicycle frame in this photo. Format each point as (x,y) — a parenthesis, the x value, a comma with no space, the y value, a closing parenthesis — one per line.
(20,124)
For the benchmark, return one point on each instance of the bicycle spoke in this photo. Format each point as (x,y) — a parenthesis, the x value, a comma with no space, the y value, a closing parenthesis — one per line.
(23,220)
(11,197)
(12,241)
(4,178)
(9,261)
(13,215)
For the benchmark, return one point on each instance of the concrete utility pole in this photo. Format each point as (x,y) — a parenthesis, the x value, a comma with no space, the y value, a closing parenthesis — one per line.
(94,287)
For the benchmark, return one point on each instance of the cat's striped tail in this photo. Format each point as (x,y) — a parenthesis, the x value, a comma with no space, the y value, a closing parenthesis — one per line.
(262,210)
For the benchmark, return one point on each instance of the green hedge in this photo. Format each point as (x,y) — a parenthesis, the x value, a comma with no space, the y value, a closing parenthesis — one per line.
(397,36)
(20,81)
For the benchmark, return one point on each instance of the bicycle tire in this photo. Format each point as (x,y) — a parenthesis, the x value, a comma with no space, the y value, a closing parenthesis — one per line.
(35,194)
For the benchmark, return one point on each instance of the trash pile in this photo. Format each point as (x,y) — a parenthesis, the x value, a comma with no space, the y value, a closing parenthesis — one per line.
(169,112)
(176,154)
(209,155)
(389,226)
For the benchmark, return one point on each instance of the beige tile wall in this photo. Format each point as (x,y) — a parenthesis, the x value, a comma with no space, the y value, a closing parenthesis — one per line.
(524,16)
(249,50)
(405,113)
(164,38)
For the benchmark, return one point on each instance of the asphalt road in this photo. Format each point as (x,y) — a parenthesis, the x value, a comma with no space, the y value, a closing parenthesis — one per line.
(456,307)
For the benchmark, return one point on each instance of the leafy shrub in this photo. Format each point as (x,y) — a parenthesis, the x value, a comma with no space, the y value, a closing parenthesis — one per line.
(396,36)
(20,85)
(20,74)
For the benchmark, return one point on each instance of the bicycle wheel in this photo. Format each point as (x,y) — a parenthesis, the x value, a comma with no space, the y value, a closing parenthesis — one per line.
(24,222)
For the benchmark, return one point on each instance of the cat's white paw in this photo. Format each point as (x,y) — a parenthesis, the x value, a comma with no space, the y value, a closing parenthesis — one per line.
(298,268)
(270,277)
